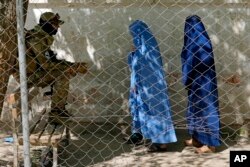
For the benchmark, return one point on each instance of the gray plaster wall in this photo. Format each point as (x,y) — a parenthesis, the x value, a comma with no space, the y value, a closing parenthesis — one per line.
(96,31)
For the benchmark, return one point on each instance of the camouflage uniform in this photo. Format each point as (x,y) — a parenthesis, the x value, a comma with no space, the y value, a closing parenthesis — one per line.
(43,69)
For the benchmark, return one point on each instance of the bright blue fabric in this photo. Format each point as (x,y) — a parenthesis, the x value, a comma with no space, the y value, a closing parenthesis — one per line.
(199,77)
(148,100)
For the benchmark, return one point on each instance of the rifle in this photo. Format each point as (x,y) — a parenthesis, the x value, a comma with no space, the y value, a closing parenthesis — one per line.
(72,68)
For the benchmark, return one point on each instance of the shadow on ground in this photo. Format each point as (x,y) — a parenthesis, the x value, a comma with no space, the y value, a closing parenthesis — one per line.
(105,146)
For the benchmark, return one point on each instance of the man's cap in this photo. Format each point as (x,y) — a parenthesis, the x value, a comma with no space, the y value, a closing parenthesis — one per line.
(51,17)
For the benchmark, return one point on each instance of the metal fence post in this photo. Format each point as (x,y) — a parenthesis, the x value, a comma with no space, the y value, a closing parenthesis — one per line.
(23,82)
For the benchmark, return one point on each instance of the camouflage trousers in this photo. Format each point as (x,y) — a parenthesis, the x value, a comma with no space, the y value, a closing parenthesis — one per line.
(57,74)
(58,79)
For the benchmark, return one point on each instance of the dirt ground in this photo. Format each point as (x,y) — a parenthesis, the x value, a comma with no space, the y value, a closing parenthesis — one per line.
(104,150)
(105,147)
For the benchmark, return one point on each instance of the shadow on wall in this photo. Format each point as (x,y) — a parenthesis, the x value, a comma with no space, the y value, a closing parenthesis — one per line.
(100,37)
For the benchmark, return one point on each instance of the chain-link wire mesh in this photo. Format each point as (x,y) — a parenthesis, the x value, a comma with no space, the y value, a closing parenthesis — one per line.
(82,117)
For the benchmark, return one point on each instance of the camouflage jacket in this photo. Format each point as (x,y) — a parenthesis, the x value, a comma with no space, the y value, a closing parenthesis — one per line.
(38,43)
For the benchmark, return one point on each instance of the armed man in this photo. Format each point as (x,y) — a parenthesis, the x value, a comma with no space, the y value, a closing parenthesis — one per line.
(43,67)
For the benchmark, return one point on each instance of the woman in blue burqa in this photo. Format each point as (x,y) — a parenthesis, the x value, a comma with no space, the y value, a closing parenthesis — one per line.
(148,100)
(199,77)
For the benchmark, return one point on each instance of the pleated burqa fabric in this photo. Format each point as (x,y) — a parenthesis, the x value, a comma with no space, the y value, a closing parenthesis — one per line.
(199,77)
(148,100)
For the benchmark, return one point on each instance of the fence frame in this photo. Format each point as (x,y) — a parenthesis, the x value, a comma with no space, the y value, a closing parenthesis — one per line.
(23,83)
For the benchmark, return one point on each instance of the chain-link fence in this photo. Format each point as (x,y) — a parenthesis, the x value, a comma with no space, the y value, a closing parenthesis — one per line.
(84,118)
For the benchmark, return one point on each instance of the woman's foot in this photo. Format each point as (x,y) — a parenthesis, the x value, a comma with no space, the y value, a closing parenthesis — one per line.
(193,142)
(205,149)
(155,147)
(188,142)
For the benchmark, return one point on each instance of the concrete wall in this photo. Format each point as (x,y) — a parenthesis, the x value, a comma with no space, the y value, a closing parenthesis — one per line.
(96,31)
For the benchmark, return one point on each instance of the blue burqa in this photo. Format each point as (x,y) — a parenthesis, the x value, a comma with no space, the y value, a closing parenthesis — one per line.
(199,77)
(148,100)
